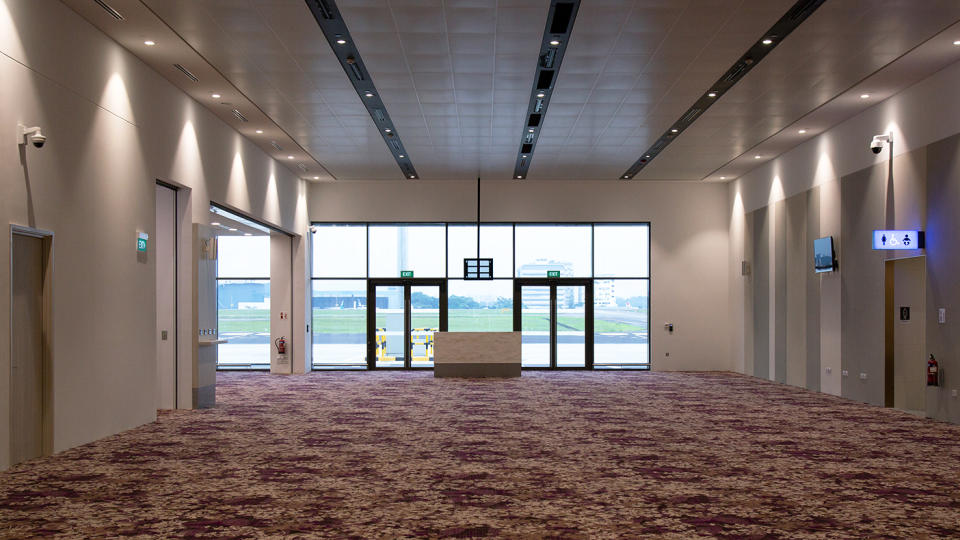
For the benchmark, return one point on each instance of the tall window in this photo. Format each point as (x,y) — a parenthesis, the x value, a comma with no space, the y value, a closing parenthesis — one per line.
(615,256)
(243,301)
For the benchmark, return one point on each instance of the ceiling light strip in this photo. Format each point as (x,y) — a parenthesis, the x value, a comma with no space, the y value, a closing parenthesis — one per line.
(770,39)
(556,35)
(335,30)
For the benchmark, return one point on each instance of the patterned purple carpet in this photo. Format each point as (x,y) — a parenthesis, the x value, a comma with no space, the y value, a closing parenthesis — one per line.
(551,455)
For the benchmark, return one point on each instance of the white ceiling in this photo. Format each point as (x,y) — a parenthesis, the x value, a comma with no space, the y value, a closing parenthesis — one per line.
(456,77)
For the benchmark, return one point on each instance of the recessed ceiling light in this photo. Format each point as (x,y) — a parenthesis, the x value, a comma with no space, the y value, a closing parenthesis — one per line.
(247,234)
(523,157)
(757,157)
(957,42)
(289,157)
(369,94)
(316,177)
(647,156)
(231,229)
(149,43)
(864,96)
(767,41)
(412,176)
(530,130)
(674,130)
(541,94)
(215,96)
(554,42)
(402,156)
(626,176)
(387,130)
(711,94)
(259,131)
(215,223)
(723,177)
(518,176)
(341,41)
(802,131)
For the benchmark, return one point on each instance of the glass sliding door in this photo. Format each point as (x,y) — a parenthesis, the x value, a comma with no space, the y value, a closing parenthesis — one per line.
(402,318)
(555,318)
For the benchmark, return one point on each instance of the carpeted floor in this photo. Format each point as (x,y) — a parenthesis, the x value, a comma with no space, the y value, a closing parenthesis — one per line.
(551,455)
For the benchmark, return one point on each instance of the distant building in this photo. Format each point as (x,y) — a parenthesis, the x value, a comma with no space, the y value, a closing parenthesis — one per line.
(539,297)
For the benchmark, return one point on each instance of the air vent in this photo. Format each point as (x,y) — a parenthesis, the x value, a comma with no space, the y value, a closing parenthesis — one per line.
(109,9)
(186,72)
(276,146)
(335,30)
(553,44)
(562,15)
(239,115)
(757,52)
(323,8)
(545,80)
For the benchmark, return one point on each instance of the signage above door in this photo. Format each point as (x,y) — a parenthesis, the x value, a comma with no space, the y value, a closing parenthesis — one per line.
(898,239)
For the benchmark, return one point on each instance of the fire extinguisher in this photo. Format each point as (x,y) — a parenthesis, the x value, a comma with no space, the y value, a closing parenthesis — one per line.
(933,372)
(281,343)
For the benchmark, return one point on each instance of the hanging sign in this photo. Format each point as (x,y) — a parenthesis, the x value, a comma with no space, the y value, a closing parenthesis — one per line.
(898,240)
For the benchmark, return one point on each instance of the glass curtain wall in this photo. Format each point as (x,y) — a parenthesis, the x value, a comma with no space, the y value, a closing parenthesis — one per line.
(243,301)
(615,256)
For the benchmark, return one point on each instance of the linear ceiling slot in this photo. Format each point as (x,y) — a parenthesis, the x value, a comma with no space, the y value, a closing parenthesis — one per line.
(239,115)
(553,44)
(562,16)
(335,30)
(186,72)
(545,80)
(757,52)
(109,9)
(276,146)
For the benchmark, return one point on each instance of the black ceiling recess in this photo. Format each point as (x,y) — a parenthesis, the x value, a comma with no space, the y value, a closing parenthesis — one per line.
(338,36)
(770,39)
(556,35)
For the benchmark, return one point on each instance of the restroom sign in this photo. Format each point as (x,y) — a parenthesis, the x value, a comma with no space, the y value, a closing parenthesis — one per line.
(898,239)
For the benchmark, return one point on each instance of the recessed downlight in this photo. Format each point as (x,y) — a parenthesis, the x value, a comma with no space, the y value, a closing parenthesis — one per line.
(247,234)
(388,130)
(259,131)
(864,96)
(412,176)
(149,43)
(757,157)
(215,96)
(957,42)
(711,94)
(540,94)
(530,130)
(341,41)
(289,157)
(723,177)
(368,94)
(215,223)
(401,156)
(674,130)
(801,131)
(231,229)
(626,176)
(316,177)
(554,42)
(519,177)
(767,41)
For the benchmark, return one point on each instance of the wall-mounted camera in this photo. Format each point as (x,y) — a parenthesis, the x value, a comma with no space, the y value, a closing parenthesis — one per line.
(879,141)
(32,134)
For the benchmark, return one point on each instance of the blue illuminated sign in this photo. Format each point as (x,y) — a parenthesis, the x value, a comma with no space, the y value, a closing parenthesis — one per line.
(898,240)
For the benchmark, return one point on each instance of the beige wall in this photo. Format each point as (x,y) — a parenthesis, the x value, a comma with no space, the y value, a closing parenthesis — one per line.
(689,240)
(113,127)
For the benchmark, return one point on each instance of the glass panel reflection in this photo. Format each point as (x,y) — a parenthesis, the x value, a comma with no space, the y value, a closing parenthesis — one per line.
(535,326)
(390,326)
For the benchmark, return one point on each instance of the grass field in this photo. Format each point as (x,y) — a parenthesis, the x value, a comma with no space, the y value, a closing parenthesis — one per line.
(353,321)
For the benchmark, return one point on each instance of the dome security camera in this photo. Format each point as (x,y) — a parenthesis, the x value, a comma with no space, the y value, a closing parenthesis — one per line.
(878,141)
(32,133)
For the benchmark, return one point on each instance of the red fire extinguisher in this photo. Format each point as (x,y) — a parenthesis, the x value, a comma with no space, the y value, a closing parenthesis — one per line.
(281,345)
(933,372)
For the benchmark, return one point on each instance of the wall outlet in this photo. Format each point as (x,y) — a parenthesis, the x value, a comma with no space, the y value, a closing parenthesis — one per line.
(667,354)
(863,376)
(845,373)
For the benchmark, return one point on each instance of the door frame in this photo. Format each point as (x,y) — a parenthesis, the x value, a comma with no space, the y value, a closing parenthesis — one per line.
(407,284)
(553,283)
(46,415)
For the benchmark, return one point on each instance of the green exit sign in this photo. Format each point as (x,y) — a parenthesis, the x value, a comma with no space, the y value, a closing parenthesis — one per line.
(406,273)
(553,273)
(142,241)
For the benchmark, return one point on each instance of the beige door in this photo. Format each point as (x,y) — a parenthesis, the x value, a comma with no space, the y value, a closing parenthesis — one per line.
(27,366)
(165,255)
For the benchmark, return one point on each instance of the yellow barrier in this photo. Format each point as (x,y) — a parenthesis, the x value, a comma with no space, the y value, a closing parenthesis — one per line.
(381,341)
(422,336)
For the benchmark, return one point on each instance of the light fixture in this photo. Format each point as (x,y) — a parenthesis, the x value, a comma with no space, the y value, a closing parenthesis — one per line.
(541,94)
(519,177)
(215,96)
(259,131)
(554,42)
(757,157)
(530,130)
(523,157)
(802,131)
(402,156)
(723,177)
(864,96)
(289,157)
(215,223)
(957,42)
(711,94)
(231,229)
(412,176)
(341,41)
(247,234)
(149,43)
(316,177)
(387,130)
(767,41)
(369,94)
(674,130)
(647,156)
(625,176)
